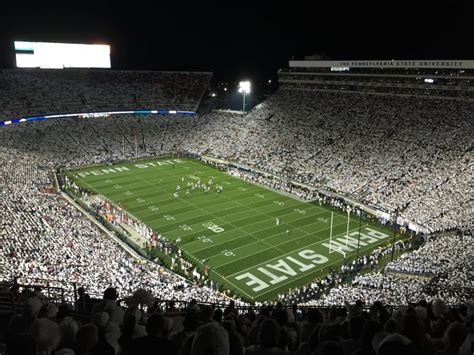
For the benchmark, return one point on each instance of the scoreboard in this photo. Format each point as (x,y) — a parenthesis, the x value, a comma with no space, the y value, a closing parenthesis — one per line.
(49,55)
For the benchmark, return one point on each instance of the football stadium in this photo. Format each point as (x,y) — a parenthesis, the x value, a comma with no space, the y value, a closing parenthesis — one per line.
(141,215)
(221,222)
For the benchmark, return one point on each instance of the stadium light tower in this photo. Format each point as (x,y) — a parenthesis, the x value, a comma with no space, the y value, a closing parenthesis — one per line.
(244,89)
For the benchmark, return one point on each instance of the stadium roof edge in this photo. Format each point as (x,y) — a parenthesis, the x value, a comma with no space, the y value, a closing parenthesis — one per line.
(403,64)
(107,70)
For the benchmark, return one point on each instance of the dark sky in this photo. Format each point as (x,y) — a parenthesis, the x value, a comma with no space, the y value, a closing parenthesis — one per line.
(244,41)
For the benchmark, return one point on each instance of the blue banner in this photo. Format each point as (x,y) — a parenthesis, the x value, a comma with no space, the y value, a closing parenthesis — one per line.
(97,114)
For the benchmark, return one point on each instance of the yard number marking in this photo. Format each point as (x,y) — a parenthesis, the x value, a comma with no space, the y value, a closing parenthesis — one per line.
(205,239)
(185,227)
(297,210)
(228,252)
(213,227)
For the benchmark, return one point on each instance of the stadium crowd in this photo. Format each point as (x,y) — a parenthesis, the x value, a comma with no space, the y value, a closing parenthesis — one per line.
(33,211)
(144,327)
(387,151)
(34,92)
(285,186)
(42,237)
(440,269)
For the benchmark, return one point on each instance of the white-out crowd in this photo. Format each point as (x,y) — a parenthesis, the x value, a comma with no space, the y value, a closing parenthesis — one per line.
(27,92)
(43,238)
(390,152)
(440,269)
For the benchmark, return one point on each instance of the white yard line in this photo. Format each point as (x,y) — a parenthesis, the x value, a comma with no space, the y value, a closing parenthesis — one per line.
(291,252)
(235,286)
(170,212)
(207,213)
(260,230)
(293,240)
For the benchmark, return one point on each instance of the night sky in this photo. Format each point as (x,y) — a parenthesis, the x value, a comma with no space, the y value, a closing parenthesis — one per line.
(244,41)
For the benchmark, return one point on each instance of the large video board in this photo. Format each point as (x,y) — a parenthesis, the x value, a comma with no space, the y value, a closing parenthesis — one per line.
(61,55)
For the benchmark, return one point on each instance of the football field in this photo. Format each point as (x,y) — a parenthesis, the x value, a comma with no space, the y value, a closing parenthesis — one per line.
(256,241)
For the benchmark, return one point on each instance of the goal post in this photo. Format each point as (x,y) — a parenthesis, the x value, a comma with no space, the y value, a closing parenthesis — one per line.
(330,234)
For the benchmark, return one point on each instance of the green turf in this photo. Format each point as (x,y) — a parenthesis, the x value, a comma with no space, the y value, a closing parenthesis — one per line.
(247,252)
